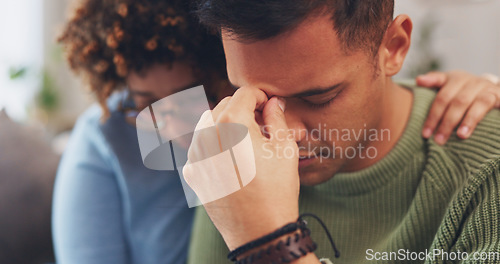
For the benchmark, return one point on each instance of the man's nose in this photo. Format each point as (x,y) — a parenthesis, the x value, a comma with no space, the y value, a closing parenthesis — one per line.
(296,126)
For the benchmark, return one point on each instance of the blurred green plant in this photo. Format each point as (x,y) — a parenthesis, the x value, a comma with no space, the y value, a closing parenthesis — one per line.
(428,60)
(17,72)
(47,96)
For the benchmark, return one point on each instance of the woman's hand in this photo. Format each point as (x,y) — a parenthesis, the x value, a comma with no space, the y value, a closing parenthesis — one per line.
(462,99)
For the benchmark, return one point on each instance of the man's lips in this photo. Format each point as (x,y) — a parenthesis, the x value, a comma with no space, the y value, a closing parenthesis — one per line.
(306,159)
(310,155)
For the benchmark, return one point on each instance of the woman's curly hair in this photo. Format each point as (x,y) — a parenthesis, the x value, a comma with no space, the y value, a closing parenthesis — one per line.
(106,39)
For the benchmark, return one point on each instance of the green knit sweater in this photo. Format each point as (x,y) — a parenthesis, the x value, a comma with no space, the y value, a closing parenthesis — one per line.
(420,197)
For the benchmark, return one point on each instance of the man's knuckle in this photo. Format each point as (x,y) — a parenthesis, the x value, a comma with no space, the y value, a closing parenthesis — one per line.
(487,99)
(460,102)
(443,98)
(225,100)
(226,117)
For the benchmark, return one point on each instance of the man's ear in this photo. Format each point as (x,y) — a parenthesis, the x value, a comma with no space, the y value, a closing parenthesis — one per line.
(395,45)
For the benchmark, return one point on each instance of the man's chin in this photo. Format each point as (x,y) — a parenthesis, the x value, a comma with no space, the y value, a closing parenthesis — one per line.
(311,178)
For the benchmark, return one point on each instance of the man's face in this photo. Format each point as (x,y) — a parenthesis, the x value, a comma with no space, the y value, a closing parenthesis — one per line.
(330,96)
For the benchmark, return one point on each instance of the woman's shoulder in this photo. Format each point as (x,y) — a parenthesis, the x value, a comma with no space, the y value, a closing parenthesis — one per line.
(92,117)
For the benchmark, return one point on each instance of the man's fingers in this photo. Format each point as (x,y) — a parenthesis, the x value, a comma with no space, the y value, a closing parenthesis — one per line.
(274,119)
(458,106)
(455,112)
(248,99)
(220,107)
(242,106)
(481,106)
(438,109)
(443,98)
(432,79)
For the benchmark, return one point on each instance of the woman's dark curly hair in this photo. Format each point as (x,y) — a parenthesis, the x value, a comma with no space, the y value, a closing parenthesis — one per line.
(106,39)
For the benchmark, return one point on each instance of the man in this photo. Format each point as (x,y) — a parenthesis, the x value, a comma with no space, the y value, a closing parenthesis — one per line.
(317,76)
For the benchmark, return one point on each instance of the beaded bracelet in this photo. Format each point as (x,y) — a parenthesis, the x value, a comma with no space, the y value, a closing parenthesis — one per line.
(285,251)
(296,246)
(287,229)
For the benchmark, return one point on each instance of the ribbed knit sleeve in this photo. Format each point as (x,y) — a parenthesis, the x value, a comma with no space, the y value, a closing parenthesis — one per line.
(472,222)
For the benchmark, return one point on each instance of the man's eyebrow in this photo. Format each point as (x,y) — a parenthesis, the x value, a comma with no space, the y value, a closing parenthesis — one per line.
(310,92)
(315,91)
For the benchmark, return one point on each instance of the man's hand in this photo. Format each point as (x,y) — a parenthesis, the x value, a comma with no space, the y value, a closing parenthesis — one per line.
(270,200)
(462,98)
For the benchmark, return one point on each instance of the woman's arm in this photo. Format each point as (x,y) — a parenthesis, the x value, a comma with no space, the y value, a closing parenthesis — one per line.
(87,213)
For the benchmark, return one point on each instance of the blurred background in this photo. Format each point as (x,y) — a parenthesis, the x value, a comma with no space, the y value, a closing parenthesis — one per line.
(40,98)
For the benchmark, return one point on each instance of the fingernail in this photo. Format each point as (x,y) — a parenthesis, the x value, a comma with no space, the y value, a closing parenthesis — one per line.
(439,139)
(464,131)
(427,133)
(282,103)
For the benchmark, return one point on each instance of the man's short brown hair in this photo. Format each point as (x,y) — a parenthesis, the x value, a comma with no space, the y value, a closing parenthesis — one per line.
(360,24)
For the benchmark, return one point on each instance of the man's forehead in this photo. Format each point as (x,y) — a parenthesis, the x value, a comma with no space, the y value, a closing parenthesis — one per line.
(300,54)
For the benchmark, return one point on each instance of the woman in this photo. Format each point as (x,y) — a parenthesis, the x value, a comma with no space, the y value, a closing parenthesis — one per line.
(108,207)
